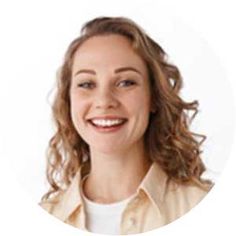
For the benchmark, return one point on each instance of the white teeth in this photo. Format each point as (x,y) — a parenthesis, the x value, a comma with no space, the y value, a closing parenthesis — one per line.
(107,122)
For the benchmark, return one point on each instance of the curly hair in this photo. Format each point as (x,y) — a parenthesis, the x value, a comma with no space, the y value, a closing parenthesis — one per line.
(168,139)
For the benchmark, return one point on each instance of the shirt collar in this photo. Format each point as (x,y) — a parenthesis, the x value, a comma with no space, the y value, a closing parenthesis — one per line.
(71,199)
(153,184)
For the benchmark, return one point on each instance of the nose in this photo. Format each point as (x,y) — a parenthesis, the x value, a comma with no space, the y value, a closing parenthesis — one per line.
(105,98)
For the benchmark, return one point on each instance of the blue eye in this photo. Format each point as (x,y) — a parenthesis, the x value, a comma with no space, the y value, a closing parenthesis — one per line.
(128,82)
(90,85)
(85,85)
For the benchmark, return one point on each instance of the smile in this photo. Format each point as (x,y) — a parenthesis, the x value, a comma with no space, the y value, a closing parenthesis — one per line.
(102,125)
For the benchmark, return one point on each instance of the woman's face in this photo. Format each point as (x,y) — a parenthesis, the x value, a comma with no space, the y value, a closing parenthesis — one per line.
(109,84)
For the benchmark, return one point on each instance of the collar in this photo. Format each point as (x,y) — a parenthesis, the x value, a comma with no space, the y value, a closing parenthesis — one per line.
(71,199)
(153,184)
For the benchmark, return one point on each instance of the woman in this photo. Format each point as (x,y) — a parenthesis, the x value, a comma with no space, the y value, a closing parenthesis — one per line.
(123,159)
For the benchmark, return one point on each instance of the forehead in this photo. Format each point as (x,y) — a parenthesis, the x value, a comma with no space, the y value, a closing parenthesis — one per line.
(109,51)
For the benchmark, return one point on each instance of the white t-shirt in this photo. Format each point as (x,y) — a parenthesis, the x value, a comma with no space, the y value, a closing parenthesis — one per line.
(104,218)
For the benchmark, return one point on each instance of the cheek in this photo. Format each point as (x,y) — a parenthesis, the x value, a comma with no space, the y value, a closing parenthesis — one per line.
(139,101)
(77,109)
(139,106)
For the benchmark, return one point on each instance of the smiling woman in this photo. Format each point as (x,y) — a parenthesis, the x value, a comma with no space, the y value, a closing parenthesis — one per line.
(118,86)
(120,119)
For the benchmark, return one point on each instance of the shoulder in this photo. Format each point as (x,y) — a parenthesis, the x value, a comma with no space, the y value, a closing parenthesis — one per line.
(180,198)
(185,196)
(192,192)
(66,200)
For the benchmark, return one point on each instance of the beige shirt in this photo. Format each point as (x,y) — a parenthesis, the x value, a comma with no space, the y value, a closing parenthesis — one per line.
(157,202)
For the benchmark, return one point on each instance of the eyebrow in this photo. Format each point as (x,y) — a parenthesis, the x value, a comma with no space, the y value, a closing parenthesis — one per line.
(118,70)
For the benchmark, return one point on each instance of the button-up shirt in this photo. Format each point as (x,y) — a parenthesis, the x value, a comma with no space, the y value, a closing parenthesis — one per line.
(158,201)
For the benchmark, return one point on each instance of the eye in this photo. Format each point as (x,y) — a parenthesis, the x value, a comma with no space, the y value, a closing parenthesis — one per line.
(86,85)
(127,83)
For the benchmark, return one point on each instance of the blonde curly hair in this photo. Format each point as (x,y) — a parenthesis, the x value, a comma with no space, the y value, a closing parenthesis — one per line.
(168,139)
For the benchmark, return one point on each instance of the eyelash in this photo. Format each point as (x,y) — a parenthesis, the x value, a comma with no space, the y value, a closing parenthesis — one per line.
(89,83)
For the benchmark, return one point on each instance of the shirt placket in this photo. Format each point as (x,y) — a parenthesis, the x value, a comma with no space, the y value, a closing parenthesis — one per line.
(131,217)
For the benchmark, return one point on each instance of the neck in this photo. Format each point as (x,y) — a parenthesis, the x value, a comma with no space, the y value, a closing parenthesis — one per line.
(115,178)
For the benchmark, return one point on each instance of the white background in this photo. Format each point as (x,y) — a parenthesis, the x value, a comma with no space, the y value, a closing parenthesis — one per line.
(198,36)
